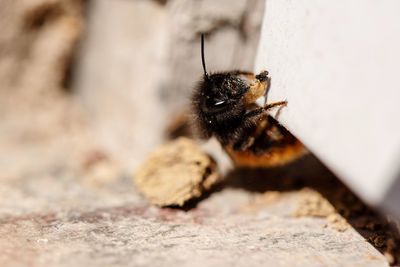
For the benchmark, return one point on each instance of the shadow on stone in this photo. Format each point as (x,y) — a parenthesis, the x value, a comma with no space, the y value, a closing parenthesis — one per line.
(309,172)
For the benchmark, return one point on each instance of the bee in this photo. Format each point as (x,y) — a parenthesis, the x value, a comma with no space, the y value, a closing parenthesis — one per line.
(232,107)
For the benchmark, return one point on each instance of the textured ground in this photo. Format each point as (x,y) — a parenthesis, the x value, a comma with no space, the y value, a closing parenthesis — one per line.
(97,218)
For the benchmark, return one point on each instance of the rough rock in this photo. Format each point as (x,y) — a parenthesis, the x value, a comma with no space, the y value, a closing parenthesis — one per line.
(175,173)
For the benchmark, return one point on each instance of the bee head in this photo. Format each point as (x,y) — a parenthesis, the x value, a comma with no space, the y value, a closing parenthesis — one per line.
(222,99)
(221,90)
(217,100)
(218,103)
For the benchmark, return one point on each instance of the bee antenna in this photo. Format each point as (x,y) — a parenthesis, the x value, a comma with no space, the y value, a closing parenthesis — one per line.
(203,61)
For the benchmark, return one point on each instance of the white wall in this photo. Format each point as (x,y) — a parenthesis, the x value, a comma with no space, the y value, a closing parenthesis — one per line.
(338,65)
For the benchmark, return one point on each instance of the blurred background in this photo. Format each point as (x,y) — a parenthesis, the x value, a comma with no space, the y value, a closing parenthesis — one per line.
(88,87)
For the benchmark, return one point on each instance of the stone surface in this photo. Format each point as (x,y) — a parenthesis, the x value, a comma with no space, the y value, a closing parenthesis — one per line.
(126,236)
(253,218)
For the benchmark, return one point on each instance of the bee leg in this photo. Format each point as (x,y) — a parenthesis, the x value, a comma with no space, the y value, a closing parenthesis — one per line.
(244,143)
(276,104)
(245,135)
